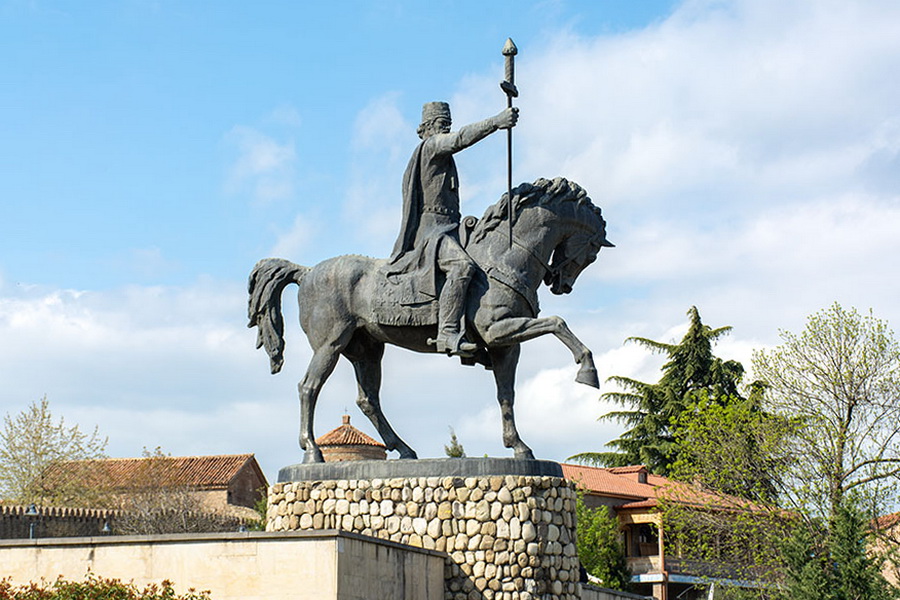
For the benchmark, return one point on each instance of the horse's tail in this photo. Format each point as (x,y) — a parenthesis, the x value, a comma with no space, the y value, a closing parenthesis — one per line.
(267,281)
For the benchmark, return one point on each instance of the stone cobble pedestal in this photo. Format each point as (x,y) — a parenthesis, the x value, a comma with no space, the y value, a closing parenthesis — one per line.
(506,536)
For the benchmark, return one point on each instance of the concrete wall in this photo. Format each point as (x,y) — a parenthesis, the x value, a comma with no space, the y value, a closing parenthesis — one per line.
(505,537)
(325,565)
(590,592)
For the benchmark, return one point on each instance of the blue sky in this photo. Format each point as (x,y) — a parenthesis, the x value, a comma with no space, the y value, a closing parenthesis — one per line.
(745,154)
(122,118)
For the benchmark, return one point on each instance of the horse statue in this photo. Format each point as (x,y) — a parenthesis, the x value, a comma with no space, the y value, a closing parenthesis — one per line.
(557,231)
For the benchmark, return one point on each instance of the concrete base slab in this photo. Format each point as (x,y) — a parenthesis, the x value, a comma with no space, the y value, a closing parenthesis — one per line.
(424,467)
(320,565)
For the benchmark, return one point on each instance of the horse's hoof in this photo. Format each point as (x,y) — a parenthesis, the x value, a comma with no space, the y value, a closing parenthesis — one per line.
(524,454)
(588,377)
(312,457)
(409,454)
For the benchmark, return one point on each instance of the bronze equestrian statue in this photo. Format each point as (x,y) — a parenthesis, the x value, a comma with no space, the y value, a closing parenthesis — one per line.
(468,290)
(348,304)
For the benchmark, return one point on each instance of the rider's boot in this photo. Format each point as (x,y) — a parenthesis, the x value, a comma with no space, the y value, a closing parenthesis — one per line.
(451,305)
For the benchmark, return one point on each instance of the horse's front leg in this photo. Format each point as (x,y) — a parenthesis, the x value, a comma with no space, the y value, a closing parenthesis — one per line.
(516,330)
(505,359)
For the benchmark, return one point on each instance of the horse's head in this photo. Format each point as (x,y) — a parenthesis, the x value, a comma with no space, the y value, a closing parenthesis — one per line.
(556,223)
(572,256)
(582,235)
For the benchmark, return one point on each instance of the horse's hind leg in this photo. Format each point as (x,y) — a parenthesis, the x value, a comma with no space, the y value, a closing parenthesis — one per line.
(505,360)
(366,359)
(324,359)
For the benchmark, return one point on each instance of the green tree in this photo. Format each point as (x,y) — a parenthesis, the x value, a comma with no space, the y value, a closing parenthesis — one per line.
(261,506)
(600,548)
(691,368)
(725,536)
(32,441)
(805,565)
(454,449)
(732,446)
(833,560)
(839,381)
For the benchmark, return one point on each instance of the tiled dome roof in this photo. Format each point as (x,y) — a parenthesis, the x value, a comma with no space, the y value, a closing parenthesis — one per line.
(347,435)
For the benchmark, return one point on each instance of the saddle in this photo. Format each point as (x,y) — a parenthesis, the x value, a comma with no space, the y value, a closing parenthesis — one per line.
(408,289)
(400,300)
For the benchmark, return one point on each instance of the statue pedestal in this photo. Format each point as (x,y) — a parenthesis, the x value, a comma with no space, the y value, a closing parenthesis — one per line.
(507,526)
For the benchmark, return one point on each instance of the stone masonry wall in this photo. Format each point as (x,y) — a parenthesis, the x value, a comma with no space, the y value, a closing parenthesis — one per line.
(506,537)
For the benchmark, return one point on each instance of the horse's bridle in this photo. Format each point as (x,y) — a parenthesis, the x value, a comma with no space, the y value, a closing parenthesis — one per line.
(541,261)
(552,273)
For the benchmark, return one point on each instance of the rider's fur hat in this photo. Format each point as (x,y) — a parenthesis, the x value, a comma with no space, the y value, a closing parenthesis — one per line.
(433,110)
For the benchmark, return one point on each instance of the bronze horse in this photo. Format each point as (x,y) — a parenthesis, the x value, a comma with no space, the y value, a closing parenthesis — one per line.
(557,232)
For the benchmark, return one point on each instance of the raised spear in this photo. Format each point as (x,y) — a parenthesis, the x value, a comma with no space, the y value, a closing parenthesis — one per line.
(508,85)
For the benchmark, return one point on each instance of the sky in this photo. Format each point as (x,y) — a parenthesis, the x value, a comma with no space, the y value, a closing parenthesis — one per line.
(745,153)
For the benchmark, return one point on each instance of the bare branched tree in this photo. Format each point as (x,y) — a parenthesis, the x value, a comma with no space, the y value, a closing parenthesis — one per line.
(840,381)
(30,443)
(157,502)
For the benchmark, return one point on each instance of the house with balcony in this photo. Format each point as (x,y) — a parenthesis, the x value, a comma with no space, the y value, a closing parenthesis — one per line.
(657,555)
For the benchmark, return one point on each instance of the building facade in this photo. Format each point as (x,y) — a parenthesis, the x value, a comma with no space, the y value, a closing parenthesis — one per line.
(654,555)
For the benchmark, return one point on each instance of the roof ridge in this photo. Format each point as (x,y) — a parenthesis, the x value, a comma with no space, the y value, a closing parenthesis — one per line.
(202,471)
(347,435)
(164,457)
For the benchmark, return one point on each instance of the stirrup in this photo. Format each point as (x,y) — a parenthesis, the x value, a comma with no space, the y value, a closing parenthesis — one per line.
(454,344)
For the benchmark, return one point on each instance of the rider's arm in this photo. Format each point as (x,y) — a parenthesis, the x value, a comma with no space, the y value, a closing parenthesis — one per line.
(449,143)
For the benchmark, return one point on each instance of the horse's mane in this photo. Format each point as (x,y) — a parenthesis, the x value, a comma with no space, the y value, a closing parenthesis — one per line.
(542,192)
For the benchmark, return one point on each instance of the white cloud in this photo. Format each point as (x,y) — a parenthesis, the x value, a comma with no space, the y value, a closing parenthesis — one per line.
(264,166)
(300,236)
(150,366)
(380,127)
(708,99)
(382,142)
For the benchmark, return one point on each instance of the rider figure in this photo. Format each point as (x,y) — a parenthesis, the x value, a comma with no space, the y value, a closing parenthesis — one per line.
(431,215)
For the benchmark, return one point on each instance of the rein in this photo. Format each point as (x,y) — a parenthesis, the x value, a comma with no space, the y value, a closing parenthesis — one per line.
(589,244)
(547,268)
(541,261)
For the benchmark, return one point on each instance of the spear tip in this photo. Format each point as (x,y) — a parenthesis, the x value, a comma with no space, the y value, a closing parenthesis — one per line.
(509,48)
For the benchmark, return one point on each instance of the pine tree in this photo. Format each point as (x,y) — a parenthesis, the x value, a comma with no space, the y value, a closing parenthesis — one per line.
(656,407)
(806,566)
(832,561)
(454,449)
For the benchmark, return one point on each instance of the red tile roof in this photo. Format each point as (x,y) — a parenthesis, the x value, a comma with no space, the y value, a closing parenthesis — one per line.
(203,472)
(622,483)
(605,482)
(886,521)
(347,435)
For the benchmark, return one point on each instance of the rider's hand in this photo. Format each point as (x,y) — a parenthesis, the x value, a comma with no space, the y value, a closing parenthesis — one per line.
(507,118)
